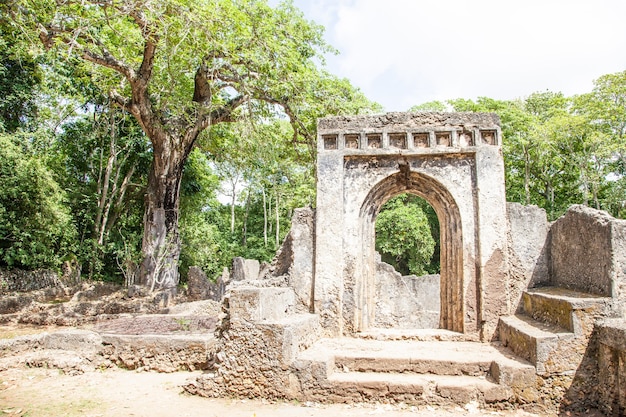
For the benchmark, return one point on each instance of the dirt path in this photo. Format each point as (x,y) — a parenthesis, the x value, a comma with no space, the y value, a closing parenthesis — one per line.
(116,393)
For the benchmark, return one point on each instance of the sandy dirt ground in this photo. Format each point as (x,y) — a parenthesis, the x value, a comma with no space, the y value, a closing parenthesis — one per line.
(116,393)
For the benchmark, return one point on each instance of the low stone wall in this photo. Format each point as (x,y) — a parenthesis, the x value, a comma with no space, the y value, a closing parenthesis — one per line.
(611,391)
(76,351)
(406,302)
(12,280)
(161,353)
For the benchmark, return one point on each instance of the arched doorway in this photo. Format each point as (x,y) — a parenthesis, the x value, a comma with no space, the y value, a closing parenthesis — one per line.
(408,270)
(451,281)
(452,160)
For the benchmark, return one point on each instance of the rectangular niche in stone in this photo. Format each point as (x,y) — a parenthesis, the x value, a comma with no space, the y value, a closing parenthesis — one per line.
(488,137)
(374,141)
(443,139)
(397,140)
(330,141)
(352,141)
(465,138)
(420,140)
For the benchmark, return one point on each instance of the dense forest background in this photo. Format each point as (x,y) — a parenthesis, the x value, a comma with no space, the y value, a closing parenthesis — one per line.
(74,165)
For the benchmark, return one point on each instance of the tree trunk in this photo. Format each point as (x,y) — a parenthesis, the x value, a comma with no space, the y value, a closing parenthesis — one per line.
(244,240)
(584,185)
(233,200)
(104,188)
(277,219)
(161,240)
(264,216)
(526,176)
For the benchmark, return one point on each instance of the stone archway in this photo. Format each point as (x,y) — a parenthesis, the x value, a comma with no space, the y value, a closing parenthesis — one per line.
(454,161)
(451,237)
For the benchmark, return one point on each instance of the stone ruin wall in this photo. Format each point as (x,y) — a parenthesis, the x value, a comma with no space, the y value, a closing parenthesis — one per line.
(529,245)
(406,302)
(262,332)
(583,250)
(609,391)
(588,252)
(19,280)
(454,161)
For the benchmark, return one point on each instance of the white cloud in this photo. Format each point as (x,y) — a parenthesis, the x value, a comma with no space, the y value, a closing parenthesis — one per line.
(406,52)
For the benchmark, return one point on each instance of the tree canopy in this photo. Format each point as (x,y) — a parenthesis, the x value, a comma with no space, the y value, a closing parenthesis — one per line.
(180,67)
(562,150)
(140,137)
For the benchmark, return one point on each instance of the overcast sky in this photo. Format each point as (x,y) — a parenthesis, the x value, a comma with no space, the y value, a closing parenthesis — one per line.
(407,52)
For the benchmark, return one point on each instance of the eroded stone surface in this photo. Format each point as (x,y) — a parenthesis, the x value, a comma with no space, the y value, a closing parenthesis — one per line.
(588,252)
(528,249)
(454,161)
(406,302)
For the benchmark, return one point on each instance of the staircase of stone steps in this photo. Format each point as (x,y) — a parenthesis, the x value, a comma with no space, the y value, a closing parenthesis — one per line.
(553,327)
(420,372)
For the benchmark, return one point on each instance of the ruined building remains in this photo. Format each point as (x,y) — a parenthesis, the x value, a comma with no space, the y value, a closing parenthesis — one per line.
(527,309)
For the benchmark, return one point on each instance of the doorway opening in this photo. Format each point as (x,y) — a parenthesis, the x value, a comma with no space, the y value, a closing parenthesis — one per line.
(451,293)
(407,277)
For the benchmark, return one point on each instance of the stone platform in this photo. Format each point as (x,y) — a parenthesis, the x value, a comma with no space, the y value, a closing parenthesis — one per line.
(159,342)
(421,372)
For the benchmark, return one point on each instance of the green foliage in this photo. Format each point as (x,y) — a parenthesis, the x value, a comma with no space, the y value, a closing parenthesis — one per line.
(403,236)
(430,106)
(259,67)
(560,151)
(182,67)
(35,224)
(107,208)
(202,242)
(20,79)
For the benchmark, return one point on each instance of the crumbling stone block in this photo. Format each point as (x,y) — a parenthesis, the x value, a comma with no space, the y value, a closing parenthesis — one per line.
(245,269)
(588,252)
(295,257)
(260,303)
(199,287)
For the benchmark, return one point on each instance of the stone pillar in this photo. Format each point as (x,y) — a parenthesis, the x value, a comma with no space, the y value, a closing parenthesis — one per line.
(328,282)
(492,247)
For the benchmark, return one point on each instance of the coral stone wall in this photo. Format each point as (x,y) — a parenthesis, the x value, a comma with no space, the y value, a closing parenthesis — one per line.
(588,252)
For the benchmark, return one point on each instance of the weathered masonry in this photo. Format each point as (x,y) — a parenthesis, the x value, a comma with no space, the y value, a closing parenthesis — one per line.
(531,312)
(452,160)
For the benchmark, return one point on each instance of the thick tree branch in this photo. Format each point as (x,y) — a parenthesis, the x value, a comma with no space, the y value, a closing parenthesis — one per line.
(47,34)
(202,88)
(121,101)
(209,118)
(225,113)
(149,51)
(299,129)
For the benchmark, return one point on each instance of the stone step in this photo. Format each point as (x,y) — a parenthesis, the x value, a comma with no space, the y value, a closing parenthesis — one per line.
(416,388)
(407,363)
(417,335)
(544,345)
(562,307)
(440,358)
